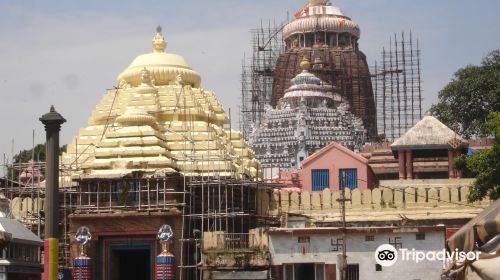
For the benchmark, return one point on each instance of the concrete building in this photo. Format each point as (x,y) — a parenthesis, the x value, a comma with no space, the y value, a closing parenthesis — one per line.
(20,255)
(335,166)
(315,253)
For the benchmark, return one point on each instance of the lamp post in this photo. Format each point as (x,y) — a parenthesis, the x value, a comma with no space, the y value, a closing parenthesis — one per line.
(52,122)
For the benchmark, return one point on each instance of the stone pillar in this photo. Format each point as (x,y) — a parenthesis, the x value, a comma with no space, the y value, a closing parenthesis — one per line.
(409,165)
(458,174)
(451,157)
(52,122)
(401,158)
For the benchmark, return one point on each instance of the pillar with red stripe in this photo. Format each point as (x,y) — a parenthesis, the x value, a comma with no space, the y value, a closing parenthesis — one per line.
(165,266)
(81,268)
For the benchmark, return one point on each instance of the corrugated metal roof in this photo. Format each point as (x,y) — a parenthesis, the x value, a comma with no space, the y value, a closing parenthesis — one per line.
(20,234)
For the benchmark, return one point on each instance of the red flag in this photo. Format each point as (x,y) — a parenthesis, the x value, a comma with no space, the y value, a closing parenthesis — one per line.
(303,12)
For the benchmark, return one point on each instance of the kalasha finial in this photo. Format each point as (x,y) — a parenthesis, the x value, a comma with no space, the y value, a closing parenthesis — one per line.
(305,64)
(159,43)
(52,119)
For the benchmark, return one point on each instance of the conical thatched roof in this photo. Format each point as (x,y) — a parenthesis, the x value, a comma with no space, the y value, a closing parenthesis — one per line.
(429,133)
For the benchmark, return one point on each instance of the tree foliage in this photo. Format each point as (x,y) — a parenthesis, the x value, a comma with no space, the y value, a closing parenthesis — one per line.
(26,155)
(474,92)
(484,165)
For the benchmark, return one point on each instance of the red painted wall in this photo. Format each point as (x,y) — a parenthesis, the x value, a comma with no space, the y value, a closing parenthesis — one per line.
(335,157)
(331,271)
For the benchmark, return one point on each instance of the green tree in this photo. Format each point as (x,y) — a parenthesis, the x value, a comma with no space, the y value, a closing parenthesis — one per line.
(474,92)
(25,155)
(484,165)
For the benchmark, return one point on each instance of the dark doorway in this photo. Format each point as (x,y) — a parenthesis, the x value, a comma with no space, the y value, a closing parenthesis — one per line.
(304,271)
(130,263)
(353,272)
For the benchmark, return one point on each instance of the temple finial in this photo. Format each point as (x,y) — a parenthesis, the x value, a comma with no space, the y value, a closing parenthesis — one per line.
(305,64)
(159,43)
(318,2)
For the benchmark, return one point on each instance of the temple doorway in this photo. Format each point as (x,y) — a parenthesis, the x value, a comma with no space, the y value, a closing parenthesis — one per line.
(130,262)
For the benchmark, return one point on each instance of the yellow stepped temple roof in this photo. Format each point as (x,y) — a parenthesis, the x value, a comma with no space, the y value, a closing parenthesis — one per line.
(159,120)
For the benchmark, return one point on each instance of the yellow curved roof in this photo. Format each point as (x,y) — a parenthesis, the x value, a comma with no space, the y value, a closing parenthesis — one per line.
(164,67)
(159,59)
(159,120)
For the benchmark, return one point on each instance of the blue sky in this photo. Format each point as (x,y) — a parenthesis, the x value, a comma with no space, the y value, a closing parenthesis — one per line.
(67,53)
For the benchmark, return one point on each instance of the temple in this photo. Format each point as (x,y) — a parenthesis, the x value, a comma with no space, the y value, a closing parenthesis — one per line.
(159,120)
(158,150)
(307,118)
(329,39)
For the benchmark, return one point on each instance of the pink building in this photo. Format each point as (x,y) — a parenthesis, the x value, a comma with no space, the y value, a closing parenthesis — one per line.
(334,164)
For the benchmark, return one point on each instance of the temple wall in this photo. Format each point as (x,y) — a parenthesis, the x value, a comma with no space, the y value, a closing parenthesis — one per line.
(380,204)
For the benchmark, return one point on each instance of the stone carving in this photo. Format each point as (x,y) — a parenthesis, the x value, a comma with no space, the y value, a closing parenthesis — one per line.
(159,43)
(308,117)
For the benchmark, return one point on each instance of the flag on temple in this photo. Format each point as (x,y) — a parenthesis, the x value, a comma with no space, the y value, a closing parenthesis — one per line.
(303,12)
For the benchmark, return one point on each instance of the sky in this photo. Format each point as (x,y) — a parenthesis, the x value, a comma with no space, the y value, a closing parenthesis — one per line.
(67,53)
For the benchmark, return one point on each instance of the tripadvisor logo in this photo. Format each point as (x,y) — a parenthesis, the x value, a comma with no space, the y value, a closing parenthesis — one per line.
(387,255)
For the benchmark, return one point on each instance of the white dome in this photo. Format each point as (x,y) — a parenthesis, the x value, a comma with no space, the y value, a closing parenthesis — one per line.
(163,67)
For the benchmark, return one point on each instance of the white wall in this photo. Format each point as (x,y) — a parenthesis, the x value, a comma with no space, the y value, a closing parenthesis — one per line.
(285,249)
